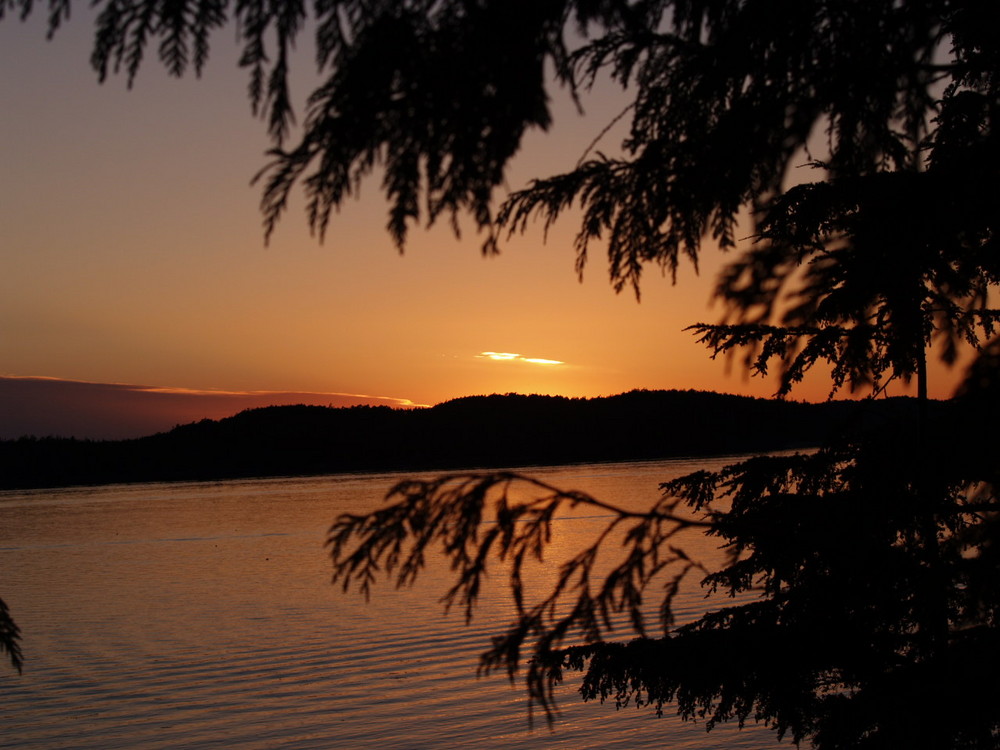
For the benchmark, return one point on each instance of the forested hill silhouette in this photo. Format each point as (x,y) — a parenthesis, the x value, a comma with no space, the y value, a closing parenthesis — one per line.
(476,431)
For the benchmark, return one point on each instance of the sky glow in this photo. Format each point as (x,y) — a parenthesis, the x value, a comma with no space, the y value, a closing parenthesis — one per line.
(133,253)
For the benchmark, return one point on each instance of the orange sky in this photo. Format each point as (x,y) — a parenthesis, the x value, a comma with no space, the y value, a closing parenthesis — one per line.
(133,253)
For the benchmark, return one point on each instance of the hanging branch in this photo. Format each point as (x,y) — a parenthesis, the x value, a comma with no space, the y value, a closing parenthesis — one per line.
(476,520)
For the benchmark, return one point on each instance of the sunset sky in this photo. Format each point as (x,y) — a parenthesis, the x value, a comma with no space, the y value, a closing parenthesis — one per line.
(133,254)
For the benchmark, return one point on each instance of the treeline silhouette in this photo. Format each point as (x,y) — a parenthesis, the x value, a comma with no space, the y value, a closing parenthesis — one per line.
(476,431)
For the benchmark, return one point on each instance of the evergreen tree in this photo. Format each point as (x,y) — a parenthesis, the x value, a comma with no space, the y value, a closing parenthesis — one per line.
(875,557)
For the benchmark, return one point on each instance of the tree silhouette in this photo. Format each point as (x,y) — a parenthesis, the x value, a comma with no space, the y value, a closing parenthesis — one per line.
(873,560)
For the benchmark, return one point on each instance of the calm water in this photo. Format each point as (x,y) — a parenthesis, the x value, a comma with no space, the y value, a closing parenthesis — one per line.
(201,615)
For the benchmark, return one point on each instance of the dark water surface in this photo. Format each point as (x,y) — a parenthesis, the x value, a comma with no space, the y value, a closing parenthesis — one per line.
(201,615)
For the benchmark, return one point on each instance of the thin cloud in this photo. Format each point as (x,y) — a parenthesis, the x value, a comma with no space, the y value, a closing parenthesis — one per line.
(311,395)
(512,357)
(54,406)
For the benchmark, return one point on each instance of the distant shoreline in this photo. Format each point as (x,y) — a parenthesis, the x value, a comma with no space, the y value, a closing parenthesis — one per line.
(473,432)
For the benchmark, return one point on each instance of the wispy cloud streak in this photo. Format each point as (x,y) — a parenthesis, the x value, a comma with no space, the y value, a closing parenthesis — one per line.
(511,357)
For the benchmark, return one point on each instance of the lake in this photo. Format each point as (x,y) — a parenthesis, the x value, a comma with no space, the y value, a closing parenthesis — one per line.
(201,615)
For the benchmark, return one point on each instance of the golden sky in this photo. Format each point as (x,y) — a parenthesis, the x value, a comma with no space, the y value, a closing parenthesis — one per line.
(133,252)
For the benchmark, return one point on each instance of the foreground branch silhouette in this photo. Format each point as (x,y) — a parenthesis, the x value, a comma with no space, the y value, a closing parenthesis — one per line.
(10,637)
(471,518)
(871,577)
